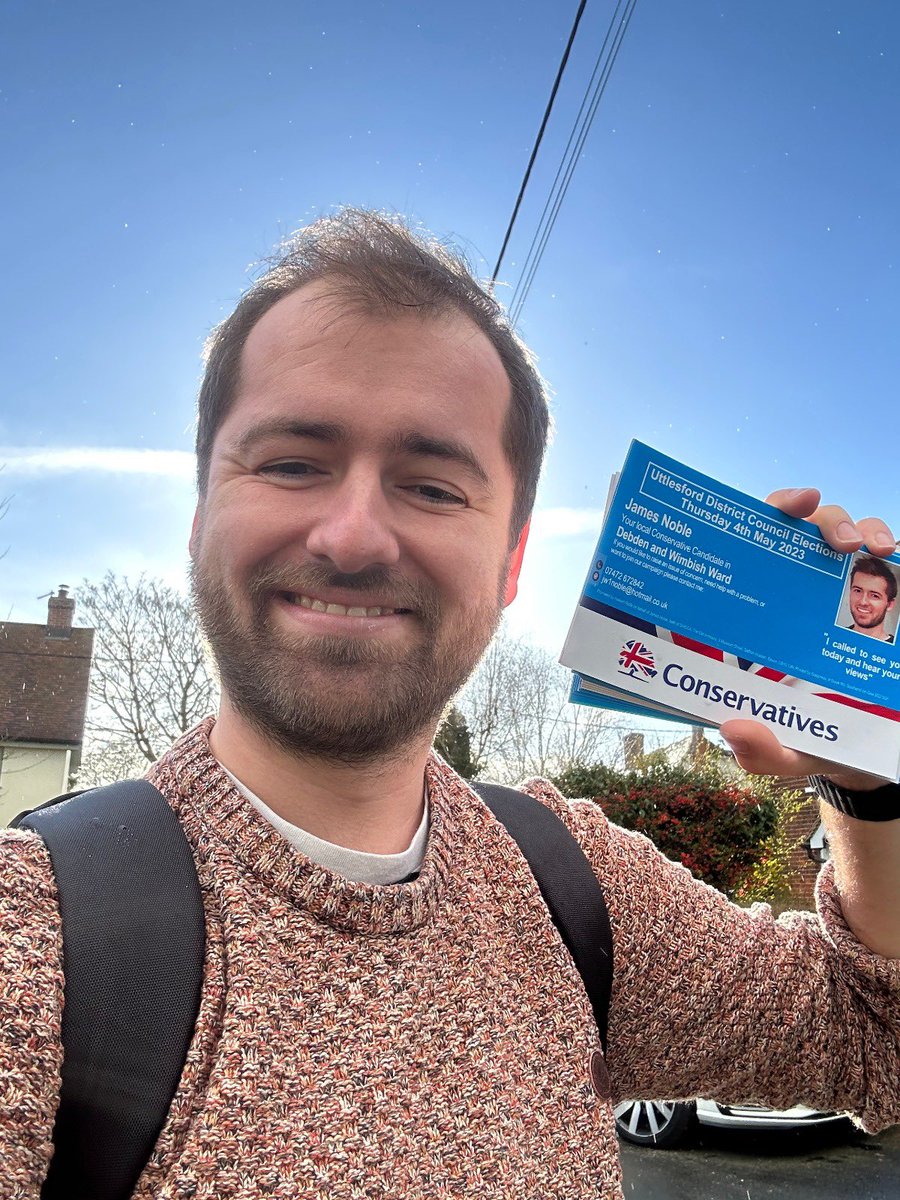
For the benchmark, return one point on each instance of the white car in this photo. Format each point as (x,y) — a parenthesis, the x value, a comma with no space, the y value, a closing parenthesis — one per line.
(663,1124)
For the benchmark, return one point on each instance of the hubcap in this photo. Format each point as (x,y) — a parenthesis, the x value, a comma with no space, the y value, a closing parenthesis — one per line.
(648,1117)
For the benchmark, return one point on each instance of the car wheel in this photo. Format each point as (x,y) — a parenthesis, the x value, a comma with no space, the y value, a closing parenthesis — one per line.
(659,1123)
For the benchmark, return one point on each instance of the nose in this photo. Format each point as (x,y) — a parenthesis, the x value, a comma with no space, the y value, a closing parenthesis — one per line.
(354,529)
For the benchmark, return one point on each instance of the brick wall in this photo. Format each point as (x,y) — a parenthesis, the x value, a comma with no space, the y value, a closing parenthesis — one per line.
(802,869)
(43,683)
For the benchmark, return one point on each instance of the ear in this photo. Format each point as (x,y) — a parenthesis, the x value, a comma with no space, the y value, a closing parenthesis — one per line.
(195,533)
(515,567)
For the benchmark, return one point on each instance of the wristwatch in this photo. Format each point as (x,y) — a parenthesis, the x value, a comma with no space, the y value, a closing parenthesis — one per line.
(881,804)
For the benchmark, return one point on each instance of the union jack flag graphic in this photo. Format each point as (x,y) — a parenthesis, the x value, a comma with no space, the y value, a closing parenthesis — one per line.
(637,661)
(640,652)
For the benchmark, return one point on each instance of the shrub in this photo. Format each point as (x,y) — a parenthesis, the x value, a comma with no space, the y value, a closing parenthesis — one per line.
(715,824)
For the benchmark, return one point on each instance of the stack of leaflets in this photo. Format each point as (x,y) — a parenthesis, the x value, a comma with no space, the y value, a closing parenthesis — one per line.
(703,604)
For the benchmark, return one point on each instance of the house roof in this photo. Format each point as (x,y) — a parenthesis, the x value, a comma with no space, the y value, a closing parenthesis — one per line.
(43,683)
(684,750)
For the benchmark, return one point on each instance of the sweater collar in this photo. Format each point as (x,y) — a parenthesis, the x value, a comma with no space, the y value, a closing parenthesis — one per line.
(205,797)
(357,865)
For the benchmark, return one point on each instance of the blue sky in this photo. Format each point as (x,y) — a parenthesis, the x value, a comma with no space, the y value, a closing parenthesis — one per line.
(722,281)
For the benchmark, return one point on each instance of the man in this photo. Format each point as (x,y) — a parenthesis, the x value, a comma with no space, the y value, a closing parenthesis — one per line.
(873,591)
(387,1010)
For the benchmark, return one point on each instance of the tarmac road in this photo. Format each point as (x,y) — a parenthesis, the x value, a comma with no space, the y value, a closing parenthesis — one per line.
(836,1163)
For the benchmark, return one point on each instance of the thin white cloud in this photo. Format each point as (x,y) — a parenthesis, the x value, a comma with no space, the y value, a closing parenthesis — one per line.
(549,523)
(33,460)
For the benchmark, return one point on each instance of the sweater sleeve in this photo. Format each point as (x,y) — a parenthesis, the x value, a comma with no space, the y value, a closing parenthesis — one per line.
(31,990)
(713,1000)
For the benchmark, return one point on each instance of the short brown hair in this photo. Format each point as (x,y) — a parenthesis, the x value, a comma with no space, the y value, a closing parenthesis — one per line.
(381,266)
(867,564)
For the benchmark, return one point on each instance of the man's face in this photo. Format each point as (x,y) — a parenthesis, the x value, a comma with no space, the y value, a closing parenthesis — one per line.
(351,554)
(869,603)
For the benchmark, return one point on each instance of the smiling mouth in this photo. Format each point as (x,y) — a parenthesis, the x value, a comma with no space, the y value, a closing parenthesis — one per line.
(340,610)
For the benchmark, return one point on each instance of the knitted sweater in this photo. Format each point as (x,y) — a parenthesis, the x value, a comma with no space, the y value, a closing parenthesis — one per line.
(432,1039)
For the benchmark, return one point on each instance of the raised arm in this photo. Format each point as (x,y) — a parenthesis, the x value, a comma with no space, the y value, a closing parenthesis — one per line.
(865,847)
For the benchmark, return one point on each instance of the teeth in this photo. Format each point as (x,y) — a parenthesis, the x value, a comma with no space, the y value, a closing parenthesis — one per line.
(339,610)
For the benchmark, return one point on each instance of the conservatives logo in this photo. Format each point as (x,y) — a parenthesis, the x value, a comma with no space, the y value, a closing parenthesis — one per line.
(636,661)
(788,716)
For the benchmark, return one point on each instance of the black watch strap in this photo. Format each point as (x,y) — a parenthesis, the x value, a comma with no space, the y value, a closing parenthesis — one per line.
(881,804)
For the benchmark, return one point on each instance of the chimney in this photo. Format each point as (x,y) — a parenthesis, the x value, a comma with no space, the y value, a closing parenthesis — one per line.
(634,750)
(699,745)
(60,611)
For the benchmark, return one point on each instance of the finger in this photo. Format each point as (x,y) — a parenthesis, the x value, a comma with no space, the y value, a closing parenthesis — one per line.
(834,522)
(796,502)
(877,536)
(837,527)
(759,752)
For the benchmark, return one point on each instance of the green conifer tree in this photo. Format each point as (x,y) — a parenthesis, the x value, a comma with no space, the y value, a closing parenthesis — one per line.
(453,744)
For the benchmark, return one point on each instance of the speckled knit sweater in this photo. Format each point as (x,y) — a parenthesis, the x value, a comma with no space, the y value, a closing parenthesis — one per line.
(432,1039)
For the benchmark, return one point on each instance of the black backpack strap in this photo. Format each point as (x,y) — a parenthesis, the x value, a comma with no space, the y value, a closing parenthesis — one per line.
(568,884)
(133,951)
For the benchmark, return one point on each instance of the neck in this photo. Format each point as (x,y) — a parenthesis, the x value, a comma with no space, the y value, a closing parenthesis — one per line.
(875,631)
(375,807)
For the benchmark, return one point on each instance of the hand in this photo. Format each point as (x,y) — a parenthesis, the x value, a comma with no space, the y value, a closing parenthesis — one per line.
(834,522)
(755,747)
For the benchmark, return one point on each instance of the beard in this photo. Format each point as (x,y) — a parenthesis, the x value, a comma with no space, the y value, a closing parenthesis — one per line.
(346,700)
(869,622)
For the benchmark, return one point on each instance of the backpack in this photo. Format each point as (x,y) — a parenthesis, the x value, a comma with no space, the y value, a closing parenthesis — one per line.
(133,952)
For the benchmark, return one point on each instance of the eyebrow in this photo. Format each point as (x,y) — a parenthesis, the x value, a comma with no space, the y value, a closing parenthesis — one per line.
(318,431)
(415,444)
(447,449)
(880,587)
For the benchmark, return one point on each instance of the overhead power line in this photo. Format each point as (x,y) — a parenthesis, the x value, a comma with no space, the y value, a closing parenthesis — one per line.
(537,140)
(593,94)
(590,102)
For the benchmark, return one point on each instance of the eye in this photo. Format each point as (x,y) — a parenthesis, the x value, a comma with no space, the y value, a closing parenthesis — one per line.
(290,468)
(436,495)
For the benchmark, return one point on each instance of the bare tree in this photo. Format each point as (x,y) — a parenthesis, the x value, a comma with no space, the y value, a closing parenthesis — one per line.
(519,716)
(150,680)
(109,761)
